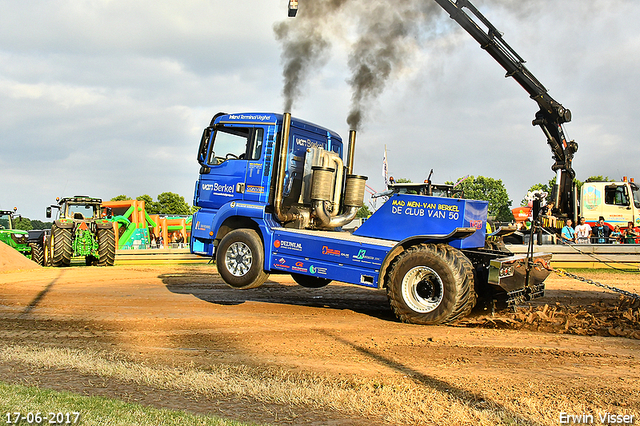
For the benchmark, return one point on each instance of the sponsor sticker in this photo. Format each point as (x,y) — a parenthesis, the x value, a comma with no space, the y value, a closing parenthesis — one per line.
(327,250)
(219,189)
(317,270)
(281,263)
(476,224)
(299,266)
(289,245)
(256,117)
(254,189)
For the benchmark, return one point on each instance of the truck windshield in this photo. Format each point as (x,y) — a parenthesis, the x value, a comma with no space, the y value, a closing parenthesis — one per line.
(80,211)
(636,197)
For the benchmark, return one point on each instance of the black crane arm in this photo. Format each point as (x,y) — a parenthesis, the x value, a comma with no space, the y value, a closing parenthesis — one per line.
(551,115)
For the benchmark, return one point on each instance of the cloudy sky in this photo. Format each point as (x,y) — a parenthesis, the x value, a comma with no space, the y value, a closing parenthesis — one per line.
(109,97)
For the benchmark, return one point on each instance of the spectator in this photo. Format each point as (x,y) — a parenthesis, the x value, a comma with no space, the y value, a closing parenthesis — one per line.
(630,234)
(179,238)
(547,214)
(583,232)
(568,234)
(601,231)
(616,235)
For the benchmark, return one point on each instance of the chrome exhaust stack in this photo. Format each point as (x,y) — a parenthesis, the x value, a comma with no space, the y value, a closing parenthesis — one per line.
(282,167)
(351,152)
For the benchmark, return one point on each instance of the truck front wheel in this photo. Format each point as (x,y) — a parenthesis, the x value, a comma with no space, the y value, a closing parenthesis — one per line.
(240,257)
(431,284)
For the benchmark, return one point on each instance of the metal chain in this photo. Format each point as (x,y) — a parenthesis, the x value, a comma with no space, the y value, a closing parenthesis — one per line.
(562,272)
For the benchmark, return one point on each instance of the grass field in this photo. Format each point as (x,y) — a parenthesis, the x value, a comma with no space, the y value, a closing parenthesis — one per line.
(41,406)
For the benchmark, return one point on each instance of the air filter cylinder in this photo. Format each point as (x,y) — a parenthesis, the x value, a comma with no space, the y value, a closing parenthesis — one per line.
(322,183)
(354,191)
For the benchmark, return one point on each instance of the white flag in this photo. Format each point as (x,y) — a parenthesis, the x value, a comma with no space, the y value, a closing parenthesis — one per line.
(384,167)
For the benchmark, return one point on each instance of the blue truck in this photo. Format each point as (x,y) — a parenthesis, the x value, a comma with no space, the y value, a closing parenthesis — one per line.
(275,191)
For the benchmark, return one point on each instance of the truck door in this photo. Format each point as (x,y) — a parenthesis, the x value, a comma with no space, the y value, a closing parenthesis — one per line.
(257,186)
(230,150)
(617,205)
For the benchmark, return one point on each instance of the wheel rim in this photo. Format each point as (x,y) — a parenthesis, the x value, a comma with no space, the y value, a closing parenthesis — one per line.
(422,289)
(238,259)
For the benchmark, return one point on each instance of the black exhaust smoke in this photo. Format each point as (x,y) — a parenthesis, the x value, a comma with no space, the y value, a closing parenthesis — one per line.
(386,32)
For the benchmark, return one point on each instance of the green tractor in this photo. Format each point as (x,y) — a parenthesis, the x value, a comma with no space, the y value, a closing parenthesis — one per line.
(15,238)
(80,231)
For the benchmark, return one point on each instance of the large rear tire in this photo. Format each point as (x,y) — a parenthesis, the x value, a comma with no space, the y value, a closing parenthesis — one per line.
(61,246)
(240,259)
(37,253)
(106,247)
(431,284)
(309,281)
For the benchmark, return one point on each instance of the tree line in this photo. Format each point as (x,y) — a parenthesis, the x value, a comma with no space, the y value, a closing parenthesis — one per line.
(494,192)
(167,203)
(477,188)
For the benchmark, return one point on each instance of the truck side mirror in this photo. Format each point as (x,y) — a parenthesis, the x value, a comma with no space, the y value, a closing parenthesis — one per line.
(48,212)
(204,144)
(109,212)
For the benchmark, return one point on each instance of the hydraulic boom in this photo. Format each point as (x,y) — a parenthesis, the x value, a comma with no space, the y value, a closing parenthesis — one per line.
(551,116)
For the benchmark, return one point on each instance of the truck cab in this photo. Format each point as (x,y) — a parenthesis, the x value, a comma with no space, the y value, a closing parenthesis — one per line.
(617,202)
(238,160)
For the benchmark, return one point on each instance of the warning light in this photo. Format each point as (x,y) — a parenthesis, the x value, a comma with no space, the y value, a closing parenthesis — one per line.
(293,8)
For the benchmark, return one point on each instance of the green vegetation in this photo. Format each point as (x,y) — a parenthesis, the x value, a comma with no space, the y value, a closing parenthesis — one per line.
(26,224)
(168,203)
(92,410)
(491,190)
(363,213)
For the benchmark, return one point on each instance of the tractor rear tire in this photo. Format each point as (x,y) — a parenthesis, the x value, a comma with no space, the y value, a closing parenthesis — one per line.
(240,259)
(37,253)
(431,284)
(309,281)
(106,247)
(61,246)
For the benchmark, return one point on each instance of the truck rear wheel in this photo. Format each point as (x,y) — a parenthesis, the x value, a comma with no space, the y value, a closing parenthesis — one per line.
(431,284)
(309,281)
(61,246)
(240,257)
(106,247)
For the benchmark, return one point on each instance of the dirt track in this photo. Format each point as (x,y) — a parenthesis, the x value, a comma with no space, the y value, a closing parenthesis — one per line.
(186,316)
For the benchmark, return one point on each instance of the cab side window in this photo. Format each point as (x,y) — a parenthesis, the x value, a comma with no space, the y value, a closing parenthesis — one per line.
(229,143)
(256,146)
